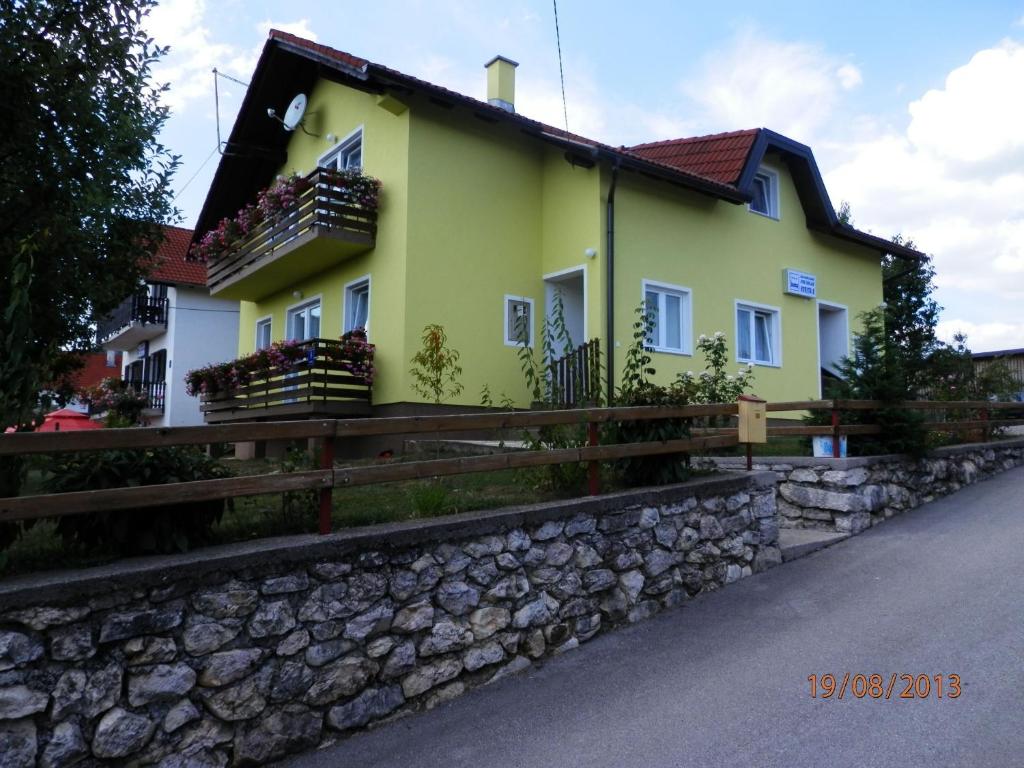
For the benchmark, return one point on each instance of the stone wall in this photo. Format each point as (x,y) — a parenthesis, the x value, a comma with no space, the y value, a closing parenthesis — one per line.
(240,655)
(850,495)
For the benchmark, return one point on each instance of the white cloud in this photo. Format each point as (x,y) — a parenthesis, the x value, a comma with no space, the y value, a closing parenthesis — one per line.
(298,28)
(790,87)
(983,337)
(849,76)
(978,116)
(953,180)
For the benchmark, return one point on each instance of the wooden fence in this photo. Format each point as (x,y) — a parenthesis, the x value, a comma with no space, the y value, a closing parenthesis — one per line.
(329,431)
(576,377)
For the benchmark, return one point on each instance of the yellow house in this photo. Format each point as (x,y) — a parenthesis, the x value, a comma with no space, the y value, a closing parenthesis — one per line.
(485,216)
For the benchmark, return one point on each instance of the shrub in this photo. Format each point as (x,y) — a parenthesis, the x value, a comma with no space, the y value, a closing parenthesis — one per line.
(875,372)
(638,390)
(436,370)
(168,528)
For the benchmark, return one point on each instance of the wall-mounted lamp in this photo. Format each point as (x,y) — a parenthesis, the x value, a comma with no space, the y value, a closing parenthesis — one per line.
(331,138)
(296,294)
(590,253)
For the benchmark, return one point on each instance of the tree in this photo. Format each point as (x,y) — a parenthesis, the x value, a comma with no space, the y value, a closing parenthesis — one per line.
(436,370)
(911,313)
(84,183)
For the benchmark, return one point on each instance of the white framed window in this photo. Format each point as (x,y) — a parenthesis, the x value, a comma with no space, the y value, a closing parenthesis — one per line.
(758,334)
(263,332)
(518,321)
(347,155)
(357,305)
(304,321)
(765,191)
(671,308)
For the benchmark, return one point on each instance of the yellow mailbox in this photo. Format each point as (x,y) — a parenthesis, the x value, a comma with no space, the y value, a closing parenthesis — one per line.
(753,419)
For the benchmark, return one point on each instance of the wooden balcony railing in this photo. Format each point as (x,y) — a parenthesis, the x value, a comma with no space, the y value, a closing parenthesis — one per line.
(325,210)
(316,385)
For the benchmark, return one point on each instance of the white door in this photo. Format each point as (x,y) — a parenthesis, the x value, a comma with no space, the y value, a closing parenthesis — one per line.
(569,287)
(833,337)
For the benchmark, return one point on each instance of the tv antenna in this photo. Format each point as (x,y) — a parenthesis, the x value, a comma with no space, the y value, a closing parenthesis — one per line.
(293,115)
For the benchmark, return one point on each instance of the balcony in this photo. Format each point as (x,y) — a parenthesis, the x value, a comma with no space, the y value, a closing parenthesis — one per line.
(155,392)
(325,226)
(317,383)
(137,319)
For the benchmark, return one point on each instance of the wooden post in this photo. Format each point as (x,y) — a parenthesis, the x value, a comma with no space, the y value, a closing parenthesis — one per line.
(835,431)
(327,493)
(985,428)
(750,456)
(593,467)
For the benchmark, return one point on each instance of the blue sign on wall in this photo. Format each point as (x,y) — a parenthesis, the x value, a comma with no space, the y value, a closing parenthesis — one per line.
(800,283)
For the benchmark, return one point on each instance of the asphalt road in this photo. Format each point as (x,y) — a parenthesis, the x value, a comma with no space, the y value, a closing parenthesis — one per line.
(723,681)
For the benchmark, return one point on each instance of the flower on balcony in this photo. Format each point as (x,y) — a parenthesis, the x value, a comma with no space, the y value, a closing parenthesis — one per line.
(117,398)
(350,187)
(354,355)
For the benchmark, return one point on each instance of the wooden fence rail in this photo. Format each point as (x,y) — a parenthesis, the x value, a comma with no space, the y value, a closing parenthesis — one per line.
(328,431)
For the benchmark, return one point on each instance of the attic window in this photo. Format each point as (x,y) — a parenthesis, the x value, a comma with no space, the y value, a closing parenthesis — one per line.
(765,194)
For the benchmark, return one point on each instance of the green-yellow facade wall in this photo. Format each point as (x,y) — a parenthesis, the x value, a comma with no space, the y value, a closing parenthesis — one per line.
(472,211)
(339,110)
(724,253)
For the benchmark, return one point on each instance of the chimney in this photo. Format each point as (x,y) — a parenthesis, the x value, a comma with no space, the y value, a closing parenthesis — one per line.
(501,83)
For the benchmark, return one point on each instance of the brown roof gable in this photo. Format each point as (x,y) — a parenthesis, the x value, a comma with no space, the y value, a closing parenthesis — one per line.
(721,156)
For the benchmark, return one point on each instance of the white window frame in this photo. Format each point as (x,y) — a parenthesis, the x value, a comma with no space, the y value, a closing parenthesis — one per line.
(347,305)
(345,144)
(318,299)
(506,305)
(772,176)
(776,331)
(685,315)
(269,322)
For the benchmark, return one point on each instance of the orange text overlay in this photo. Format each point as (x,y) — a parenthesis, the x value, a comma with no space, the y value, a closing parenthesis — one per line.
(895,686)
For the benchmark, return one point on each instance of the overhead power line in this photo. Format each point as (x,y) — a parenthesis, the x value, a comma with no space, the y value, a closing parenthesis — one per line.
(561,71)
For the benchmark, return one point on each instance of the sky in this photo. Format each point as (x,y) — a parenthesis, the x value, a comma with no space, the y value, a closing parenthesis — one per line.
(914,110)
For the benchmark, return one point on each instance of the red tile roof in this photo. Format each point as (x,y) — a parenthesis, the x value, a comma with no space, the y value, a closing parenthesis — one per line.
(170,263)
(721,156)
(96,369)
(363,64)
(323,50)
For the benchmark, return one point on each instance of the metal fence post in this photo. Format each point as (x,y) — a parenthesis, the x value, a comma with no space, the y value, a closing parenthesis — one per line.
(593,467)
(327,492)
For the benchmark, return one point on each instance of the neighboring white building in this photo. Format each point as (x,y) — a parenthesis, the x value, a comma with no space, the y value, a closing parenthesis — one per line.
(168,329)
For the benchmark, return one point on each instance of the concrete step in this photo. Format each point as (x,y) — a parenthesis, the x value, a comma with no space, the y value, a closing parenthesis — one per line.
(800,542)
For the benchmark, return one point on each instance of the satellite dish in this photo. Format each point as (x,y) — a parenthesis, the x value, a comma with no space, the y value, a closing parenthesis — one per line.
(293,115)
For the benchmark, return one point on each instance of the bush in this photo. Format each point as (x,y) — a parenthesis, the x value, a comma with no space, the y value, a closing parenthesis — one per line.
(168,528)
(638,390)
(876,372)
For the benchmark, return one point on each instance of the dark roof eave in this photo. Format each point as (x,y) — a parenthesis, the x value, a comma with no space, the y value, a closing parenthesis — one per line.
(846,232)
(597,151)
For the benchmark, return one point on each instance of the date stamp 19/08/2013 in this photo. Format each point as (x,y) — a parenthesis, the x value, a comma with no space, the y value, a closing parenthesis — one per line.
(895,686)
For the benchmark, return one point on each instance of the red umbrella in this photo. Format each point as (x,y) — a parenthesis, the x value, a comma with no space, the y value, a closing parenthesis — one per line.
(67,420)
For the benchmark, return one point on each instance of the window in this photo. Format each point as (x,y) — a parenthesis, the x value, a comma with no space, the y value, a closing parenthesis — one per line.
(518,321)
(357,305)
(156,366)
(348,155)
(263,333)
(304,321)
(669,306)
(765,191)
(757,334)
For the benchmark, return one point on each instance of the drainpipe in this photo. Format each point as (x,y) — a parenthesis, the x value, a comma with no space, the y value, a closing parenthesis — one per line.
(610,297)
